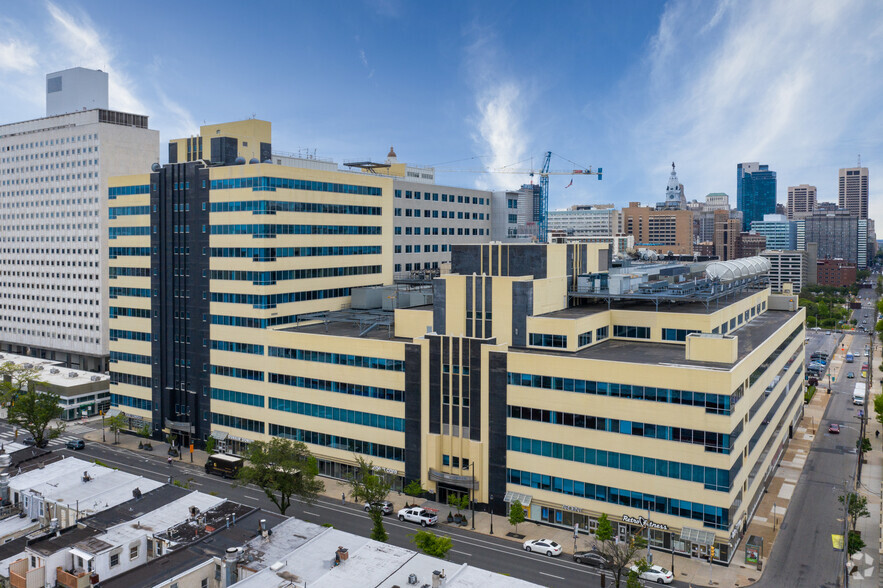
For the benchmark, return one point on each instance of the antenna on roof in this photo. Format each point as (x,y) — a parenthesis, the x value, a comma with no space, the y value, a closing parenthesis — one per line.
(859,160)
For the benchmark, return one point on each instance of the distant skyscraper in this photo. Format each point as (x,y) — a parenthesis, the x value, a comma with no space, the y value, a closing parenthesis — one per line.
(801,199)
(780,233)
(755,192)
(853,190)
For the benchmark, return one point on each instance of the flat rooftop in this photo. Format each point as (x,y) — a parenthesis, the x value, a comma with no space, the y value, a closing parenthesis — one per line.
(370,564)
(178,561)
(750,335)
(52,543)
(134,508)
(355,323)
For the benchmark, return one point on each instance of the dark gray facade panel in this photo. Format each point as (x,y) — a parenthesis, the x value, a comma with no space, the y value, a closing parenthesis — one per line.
(435,362)
(488,305)
(497,430)
(173,153)
(522,307)
(475,377)
(496,262)
(266,152)
(438,306)
(180,325)
(413,414)
(470,288)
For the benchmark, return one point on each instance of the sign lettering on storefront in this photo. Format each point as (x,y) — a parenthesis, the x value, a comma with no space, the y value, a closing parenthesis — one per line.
(642,522)
(571,508)
(383,469)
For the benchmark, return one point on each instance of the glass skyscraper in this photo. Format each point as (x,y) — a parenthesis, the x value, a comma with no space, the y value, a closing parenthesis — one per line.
(755,192)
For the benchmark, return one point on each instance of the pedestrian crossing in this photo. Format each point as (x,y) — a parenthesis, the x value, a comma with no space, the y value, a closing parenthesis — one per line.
(9,437)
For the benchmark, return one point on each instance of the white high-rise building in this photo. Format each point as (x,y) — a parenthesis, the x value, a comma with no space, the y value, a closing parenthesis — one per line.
(54,208)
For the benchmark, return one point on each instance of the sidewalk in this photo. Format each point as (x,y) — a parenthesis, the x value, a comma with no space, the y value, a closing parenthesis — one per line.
(695,571)
(866,572)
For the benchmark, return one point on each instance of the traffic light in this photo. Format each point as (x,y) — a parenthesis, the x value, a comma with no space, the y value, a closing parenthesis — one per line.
(711,553)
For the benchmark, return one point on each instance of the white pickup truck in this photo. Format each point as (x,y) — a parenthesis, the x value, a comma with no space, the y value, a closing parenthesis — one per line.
(418,515)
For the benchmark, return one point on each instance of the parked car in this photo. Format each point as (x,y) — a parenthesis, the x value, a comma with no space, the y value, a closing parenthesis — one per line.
(75,444)
(546,546)
(385,507)
(224,465)
(29,442)
(591,558)
(834,429)
(850,375)
(657,574)
(418,515)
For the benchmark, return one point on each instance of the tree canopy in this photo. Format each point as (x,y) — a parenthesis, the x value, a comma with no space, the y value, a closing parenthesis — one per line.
(34,412)
(282,468)
(432,544)
(372,487)
(619,553)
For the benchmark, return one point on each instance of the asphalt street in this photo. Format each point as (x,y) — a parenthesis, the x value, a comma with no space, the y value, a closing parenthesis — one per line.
(498,555)
(803,555)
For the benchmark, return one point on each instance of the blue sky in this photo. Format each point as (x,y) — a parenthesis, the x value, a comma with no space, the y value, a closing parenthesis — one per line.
(627,86)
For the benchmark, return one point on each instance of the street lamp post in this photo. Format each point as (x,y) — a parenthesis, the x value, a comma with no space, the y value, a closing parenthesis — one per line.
(472,492)
(491,509)
(103,439)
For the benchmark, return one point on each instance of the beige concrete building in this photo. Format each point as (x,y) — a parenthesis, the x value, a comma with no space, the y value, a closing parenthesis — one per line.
(852,190)
(801,199)
(659,230)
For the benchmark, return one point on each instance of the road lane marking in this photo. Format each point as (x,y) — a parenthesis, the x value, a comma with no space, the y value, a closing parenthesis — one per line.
(312,514)
(464,553)
(250,497)
(550,575)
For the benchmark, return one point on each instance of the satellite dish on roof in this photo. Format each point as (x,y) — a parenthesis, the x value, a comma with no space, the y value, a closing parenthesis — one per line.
(254,160)
(155,167)
(239,161)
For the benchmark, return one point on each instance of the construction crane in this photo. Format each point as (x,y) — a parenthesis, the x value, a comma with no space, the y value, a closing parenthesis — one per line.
(544,172)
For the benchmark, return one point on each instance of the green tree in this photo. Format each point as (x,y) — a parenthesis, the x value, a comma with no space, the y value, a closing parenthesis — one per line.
(878,407)
(34,412)
(856,508)
(282,468)
(855,543)
(634,577)
(619,553)
(432,544)
(210,445)
(414,489)
(116,423)
(459,503)
(17,378)
(372,487)
(516,514)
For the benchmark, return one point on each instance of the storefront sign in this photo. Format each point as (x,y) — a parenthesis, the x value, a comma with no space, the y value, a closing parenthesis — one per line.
(383,469)
(571,508)
(642,522)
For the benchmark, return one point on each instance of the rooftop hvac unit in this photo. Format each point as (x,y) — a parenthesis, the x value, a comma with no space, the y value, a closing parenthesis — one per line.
(54,370)
(72,374)
(95,378)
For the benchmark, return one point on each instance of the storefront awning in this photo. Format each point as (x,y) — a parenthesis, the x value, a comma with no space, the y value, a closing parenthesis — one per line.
(456,480)
(697,536)
(219,435)
(524,499)
(113,412)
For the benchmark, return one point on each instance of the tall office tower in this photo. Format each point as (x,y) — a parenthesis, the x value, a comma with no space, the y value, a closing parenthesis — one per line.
(838,234)
(208,258)
(786,267)
(659,230)
(726,235)
(852,190)
(53,218)
(780,233)
(755,192)
(801,199)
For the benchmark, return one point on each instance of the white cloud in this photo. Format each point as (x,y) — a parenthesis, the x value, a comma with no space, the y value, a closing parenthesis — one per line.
(85,47)
(778,82)
(15,55)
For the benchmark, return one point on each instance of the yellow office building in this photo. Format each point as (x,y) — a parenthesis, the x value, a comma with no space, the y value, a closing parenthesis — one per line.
(248,301)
